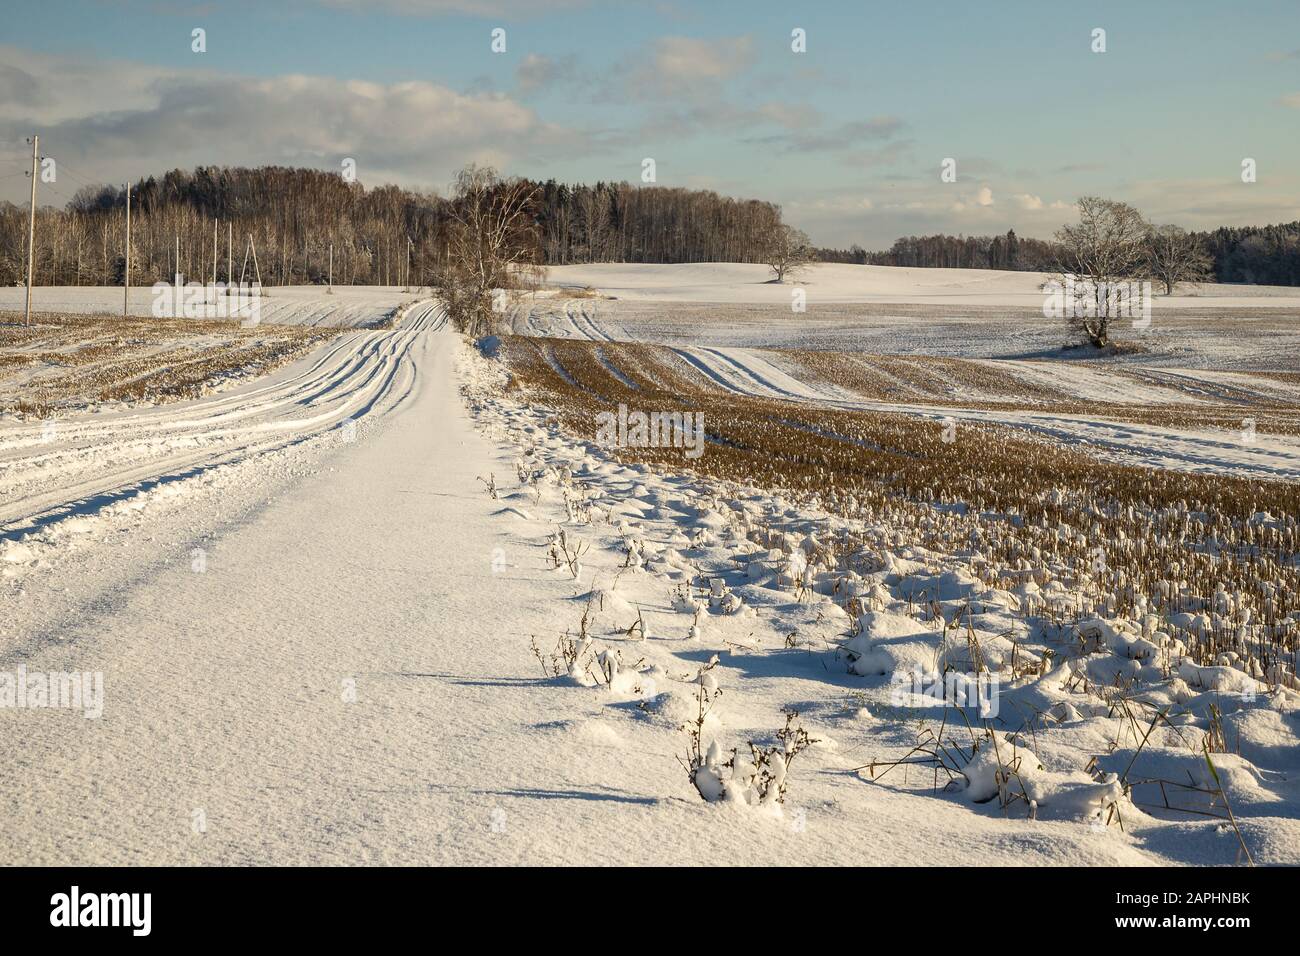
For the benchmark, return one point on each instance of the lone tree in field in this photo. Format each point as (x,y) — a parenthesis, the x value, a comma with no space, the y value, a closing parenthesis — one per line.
(1108,247)
(1175,255)
(491,242)
(786,251)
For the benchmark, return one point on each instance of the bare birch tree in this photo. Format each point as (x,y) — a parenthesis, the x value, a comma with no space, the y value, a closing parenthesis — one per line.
(1175,255)
(786,251)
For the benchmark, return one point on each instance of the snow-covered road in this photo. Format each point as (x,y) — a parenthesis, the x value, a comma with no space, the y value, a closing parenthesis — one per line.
(342,682)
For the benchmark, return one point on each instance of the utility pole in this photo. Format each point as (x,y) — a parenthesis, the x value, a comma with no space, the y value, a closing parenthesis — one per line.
(214,255)
(230,255)
(31,232)
(331,268)
(408,263)
(126,288)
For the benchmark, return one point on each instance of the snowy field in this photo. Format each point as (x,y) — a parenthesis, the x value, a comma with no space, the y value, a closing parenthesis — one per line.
(347,306)
(750,284)
(394,603)
(70,362)
(968,344)
(1263,337)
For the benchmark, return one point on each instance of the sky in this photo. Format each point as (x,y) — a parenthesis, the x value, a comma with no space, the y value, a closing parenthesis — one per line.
(849,135)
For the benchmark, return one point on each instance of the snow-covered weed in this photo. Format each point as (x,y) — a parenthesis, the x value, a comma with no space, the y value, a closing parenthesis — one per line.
(758,778)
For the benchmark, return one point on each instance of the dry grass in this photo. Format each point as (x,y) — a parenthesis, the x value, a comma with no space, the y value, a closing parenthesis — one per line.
(64,361)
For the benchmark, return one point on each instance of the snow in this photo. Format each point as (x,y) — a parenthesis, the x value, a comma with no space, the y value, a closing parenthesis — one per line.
(1105,434)
(315,628)
(1202,350)
(750,283)
(347,306)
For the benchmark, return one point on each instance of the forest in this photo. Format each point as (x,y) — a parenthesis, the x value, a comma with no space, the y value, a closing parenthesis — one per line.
(1259,255)
(280,223)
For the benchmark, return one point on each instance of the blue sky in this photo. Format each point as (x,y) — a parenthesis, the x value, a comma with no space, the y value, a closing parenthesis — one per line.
(848,136)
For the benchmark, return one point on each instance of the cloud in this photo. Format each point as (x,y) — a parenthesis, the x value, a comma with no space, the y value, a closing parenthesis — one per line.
(414,133)
(688,58)
(19,86)
(675,67)
(983,198)
(1206,203)
(55,87)
(840,137)
(1292,100)
(790,115)
(882,157)
(715,116)
(537,72)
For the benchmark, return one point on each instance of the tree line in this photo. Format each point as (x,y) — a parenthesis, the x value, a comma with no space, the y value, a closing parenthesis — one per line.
(1009,252)
(279,223)
(1259,255)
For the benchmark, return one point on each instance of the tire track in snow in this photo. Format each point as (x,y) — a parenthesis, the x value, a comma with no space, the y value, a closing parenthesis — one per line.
(362,374)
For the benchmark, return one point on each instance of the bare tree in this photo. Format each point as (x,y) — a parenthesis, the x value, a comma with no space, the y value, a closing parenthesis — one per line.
(1107,249)
(1175,255)
(492,237)
(786,250)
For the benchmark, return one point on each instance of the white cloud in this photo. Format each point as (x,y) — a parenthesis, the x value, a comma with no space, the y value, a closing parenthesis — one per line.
(982,199)
(413,132)
(677,68)
(53,87)
(689,58)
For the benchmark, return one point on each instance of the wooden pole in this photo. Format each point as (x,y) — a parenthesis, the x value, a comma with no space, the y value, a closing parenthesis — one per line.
(31,232)
(331,279)
(126,287)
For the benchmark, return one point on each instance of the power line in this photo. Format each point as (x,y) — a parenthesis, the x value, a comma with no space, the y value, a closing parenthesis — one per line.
(63,168)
